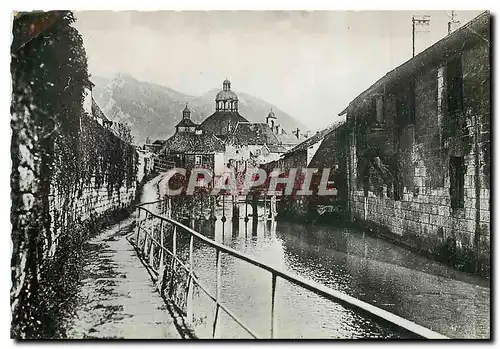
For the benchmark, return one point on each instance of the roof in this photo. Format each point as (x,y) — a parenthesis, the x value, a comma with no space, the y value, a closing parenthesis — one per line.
(97,112)
(276,148)
(286,138)
(186,123)
(193,143)
(226,96)
(469,34)
(316,138)
(330,151)
(159,141)
(253,133)
(218,123)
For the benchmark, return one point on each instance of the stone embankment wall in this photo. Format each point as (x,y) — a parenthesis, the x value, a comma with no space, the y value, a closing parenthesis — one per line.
(70,174)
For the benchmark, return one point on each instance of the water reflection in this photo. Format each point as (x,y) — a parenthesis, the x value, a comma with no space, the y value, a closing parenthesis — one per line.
(358,264)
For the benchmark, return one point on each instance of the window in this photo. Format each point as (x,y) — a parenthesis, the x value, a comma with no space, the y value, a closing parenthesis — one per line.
(454,85)
(197,160)
(457,174)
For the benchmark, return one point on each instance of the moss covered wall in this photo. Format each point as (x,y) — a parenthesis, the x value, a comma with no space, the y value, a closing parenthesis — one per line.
(68,173)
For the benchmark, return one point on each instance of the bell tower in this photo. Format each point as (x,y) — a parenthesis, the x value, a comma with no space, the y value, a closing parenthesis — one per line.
(271,119)
(186,113)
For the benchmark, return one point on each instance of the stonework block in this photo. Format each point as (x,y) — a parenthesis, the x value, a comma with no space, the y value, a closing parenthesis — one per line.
(484,216)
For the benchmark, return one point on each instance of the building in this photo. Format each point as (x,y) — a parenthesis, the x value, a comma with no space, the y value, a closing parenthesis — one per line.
(287,140)
(223,140)
(226,116)
(253,143)
(325,150)
(191,148)
(419,150)
(156,146)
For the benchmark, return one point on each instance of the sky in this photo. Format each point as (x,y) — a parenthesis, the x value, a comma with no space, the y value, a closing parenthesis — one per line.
(310,64)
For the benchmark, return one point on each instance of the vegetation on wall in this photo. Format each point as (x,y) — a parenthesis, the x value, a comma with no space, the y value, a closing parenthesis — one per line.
(67,148)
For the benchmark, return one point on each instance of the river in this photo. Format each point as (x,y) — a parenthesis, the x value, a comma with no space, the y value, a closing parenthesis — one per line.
(356,263)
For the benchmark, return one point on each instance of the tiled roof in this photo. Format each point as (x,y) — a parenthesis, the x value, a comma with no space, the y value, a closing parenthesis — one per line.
(186,123)
(253,133)
(193,143)
(286,138)
(218,123)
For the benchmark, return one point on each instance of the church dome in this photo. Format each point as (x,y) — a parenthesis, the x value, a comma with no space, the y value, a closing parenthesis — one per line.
(226,100)
(226,96)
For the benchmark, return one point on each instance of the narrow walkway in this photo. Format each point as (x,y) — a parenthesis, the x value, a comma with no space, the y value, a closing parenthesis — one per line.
(117,298)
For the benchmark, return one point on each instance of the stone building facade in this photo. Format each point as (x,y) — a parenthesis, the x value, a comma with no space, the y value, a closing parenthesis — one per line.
(326,150)
(419,150)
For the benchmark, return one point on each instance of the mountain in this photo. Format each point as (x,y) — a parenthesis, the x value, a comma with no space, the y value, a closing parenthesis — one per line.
(153,110)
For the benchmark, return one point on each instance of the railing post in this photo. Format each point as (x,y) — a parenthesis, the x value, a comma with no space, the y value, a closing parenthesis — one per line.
(138,227)
(174,251)
(152,249)
(161,266)
(174,242)
(144,243)
(273,299)
(218,287)
(190,298)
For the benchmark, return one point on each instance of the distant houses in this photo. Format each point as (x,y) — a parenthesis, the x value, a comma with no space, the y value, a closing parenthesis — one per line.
(325,150)
(225,139)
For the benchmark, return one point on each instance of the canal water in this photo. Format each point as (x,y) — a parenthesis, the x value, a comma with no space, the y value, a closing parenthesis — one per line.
(344,259)
(358,264)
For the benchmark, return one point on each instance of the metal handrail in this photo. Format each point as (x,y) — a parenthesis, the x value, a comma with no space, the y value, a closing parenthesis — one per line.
(318,289)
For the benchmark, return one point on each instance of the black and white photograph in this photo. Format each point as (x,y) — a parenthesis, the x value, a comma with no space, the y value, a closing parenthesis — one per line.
(270,174)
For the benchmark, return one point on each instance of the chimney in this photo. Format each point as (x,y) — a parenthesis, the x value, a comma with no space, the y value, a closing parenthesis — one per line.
(297,133)
(420,31)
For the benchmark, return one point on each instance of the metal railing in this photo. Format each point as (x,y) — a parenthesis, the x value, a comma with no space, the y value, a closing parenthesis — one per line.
(153,251)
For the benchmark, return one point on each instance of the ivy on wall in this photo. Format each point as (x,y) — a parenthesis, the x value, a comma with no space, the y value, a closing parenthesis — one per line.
(64,148)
